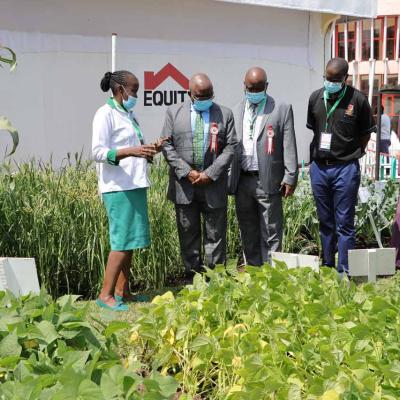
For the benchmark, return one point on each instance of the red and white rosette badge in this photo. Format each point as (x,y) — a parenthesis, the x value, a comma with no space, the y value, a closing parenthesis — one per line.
(270,142)
(214,137)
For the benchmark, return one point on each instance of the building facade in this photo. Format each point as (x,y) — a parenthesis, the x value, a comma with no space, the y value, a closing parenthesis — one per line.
(372,47)
(64,49)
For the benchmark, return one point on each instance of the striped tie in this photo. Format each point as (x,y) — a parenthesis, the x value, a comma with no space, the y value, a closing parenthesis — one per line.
(198,142)
(253,117)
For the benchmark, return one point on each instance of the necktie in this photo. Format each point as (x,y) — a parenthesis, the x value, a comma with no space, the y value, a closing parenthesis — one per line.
(253,117)
(198,140)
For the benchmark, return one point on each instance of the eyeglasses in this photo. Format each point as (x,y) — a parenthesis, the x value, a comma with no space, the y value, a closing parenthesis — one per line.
(201,98)
(246,90)
(336,80)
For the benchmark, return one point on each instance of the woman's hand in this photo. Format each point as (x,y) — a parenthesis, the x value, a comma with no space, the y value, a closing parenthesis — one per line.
(158,145)
(145,151)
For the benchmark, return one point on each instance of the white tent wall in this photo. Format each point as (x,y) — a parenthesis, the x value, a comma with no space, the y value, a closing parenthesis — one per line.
(363,8)
(64,49)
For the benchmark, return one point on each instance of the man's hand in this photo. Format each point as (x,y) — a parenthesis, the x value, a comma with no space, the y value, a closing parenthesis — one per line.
(203,179)
(158,145)
(287,190)
(193,175)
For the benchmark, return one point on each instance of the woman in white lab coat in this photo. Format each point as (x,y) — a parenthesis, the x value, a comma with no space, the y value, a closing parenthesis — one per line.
(120,152)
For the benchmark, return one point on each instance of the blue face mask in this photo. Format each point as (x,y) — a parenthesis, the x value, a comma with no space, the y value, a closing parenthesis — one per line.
(130,103)
(202,105)
(256,98)
(332,87)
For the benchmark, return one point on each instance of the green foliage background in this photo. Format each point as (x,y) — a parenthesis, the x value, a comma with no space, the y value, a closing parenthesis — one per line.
(56,216)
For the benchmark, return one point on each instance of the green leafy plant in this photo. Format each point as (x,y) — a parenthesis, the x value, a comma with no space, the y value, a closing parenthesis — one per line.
(5,124)
(51,350)
(11,60)
(273,333)
(381,207)
(56,216)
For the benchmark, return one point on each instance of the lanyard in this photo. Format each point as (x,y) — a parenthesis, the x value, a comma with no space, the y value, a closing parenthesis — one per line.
(137,130)
(252,119)
(333,108)
(136,127)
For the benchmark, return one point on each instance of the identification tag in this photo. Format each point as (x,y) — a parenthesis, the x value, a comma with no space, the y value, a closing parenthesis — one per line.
(326,140)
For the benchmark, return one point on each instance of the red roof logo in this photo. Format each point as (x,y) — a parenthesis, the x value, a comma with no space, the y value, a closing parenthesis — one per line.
(153,80)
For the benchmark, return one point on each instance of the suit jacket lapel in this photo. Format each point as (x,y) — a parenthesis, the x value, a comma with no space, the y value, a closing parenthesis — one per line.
(187,124)
(241,116)
(269,107)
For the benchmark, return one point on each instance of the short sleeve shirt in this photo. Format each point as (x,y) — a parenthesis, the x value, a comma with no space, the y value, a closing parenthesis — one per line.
(349,123)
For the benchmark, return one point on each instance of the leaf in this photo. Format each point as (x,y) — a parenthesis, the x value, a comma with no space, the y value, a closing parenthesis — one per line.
(76,359)
(163,386)
(294,392)
(200,342)
(66,302)
(9,346)
(9,362)
(88,390)
(167,297)
(112,382)
(330,395)
(5,125)
(47,331)
(11,61)
(115,326)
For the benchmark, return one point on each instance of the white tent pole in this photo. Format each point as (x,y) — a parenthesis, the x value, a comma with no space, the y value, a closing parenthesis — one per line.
(333,41)
(346,45)
(397,38)
(371,79)
(385,61)
(372,39)
(358,40)
(113,48)
(371,64)
(384,37)
(397,49)
(358,53)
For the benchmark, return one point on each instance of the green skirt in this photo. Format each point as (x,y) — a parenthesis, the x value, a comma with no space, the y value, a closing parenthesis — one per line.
(128,219)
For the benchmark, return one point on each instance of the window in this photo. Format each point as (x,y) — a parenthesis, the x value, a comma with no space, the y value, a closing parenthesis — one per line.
(391,38)
(378,35)
(366,40)
(391,103)
(351,40)
(378,38)
(364,87)
(392,80)
(340,40)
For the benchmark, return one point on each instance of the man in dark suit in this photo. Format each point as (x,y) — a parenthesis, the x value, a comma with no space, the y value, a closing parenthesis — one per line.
(199,152)
(264,167)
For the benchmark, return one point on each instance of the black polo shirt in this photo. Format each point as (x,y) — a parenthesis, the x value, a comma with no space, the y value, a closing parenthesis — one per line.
(351,120)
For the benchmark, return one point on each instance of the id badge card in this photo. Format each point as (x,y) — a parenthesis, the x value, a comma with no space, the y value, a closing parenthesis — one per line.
(325,141)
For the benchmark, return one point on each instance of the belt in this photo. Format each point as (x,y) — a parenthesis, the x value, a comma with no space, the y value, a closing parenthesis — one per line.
(332,162)
(249,173)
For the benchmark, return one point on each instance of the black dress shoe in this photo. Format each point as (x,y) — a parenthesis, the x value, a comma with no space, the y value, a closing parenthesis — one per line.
(189,275)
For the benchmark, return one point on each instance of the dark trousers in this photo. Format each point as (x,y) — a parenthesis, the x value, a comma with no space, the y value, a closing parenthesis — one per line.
(384,146)
(335,189)
(260,217)
(188,217)
(395,240)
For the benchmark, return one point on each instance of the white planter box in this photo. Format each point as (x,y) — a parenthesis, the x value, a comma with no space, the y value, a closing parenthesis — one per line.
(296,260)
(372,263)
(19,275)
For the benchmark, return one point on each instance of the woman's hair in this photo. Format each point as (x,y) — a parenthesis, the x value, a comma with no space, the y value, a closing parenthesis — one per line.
(112,80)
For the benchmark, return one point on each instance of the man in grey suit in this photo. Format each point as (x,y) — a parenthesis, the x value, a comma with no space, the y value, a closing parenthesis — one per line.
(200,149)
(264,167)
